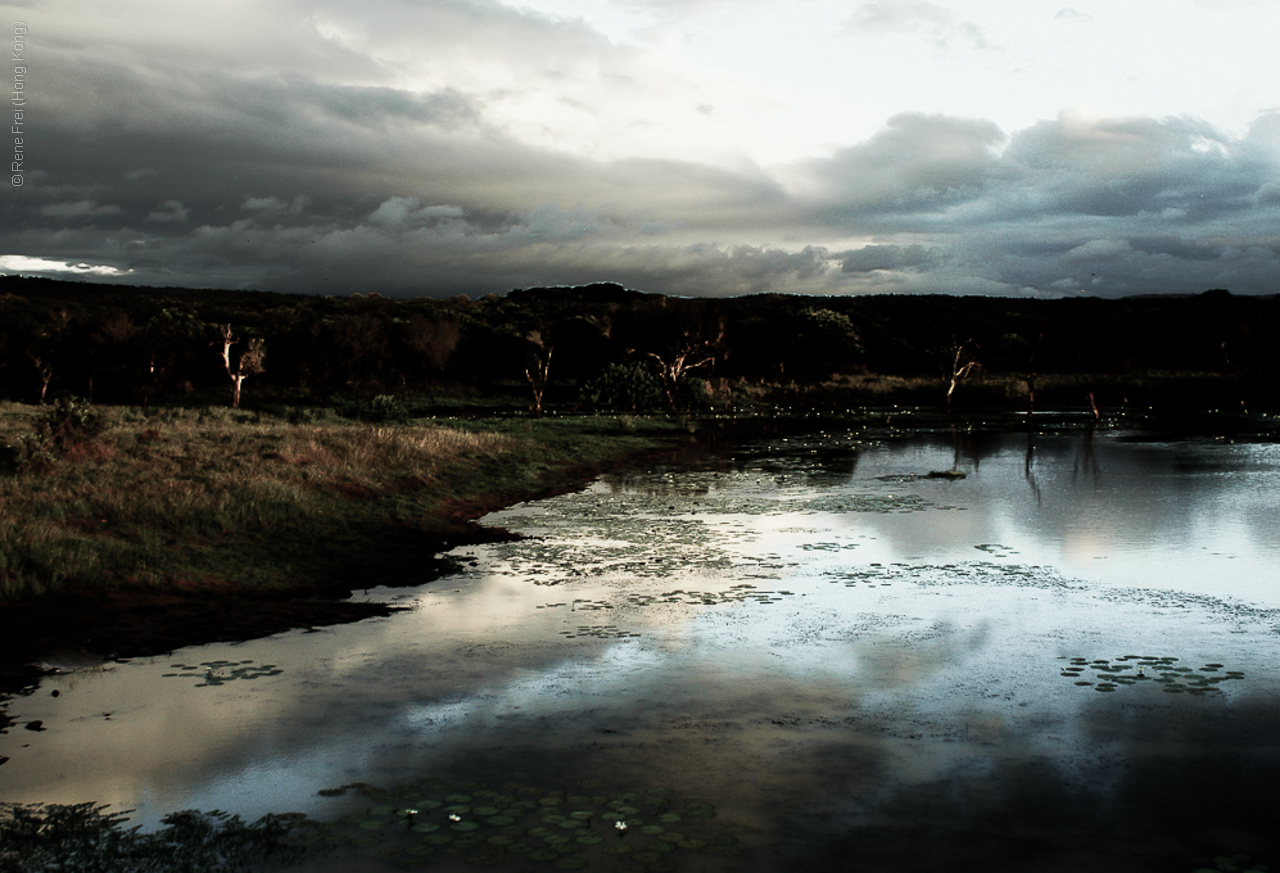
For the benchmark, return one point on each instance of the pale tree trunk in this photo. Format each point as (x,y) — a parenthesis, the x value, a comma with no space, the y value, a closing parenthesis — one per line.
(959,371)
(46,376)
(250,363)
(680,362)
(538,375)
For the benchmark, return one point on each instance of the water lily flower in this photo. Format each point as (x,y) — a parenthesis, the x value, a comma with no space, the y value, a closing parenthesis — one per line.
(453,816)
(620,825)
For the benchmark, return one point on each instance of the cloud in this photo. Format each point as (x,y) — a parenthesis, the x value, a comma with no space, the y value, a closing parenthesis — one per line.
(170,210)
(439,147)
(886,257)
(911,16)
(917,162)
(78,209)
(899,14)
(20,264)
(1069,13)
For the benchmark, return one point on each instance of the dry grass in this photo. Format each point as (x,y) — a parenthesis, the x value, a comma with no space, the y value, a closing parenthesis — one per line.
(194,497)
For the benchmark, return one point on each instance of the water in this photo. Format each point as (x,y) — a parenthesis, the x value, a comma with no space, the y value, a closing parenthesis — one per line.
(859,666)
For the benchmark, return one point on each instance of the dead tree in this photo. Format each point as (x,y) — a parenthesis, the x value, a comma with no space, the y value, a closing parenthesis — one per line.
(251,362)
(1030,377)
(692,352)
(960,371)
(538,370)
(45,369)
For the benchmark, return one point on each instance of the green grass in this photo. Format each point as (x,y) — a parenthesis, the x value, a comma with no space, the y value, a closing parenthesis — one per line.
(219,500)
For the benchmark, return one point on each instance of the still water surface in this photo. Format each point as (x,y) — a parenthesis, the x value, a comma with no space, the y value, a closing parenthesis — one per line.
(859,666)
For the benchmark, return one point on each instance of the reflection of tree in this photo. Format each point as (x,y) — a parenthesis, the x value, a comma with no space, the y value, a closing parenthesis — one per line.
(1087,459)
(1029,377)
(1028,470)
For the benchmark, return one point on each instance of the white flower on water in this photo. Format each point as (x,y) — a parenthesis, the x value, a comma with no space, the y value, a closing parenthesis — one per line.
(453,816)
(620,825)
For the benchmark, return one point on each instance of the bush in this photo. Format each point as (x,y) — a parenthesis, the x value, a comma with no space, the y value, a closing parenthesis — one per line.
(66,429)
(26,451)
(71,420)
(382,408)
(632,385)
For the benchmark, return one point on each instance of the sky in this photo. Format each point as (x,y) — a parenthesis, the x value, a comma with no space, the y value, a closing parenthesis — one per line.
(1022,148)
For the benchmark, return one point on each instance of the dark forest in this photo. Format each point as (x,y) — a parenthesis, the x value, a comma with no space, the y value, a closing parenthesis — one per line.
(603,347)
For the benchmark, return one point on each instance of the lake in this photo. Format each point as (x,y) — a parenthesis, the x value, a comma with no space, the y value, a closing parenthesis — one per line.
(803,652)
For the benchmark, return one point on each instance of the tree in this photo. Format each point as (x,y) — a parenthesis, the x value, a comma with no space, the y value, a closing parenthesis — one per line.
(965,363)
(45,369)
(250,362)
(1029,375)
(111,352)
(538,368)
(680,337)
(432,341)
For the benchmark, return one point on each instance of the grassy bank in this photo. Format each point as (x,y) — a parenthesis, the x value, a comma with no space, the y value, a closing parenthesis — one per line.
(193,505)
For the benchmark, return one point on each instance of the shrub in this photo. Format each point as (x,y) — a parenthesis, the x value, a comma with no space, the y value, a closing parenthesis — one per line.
(71,420)
(66,429)
(633,385)
(26,451)
(382,408)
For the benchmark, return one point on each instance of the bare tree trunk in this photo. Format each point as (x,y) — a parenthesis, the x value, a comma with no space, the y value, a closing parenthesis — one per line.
(251,362)
(1031,379)
(538,376)
(960,372)
(46,376)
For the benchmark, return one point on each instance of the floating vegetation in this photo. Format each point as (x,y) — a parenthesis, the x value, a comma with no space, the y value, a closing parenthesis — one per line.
(874,503)
(826,547)
(1109,674)
(213,673)
(739,593)
(515,824)
(982,573)
(600,631)
(947,474)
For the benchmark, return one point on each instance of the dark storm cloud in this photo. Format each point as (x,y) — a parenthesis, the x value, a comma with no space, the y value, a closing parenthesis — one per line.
(1109,206)
(324,166)
(885,257)
(917,163)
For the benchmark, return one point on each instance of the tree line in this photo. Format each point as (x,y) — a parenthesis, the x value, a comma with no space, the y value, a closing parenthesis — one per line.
(599,346)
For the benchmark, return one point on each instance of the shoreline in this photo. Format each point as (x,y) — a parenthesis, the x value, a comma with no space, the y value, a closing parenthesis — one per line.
(78,623)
